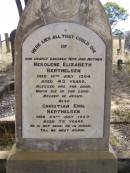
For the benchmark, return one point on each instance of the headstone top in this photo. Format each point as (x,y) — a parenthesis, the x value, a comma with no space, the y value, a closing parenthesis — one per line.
(86,12)
(65,9)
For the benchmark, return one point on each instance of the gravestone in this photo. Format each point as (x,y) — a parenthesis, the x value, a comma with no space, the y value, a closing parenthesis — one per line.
(63,83)
(7,42)
(127,42)
(0,44)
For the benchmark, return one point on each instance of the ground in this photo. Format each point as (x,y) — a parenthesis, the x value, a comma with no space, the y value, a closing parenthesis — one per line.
(120,109)
(120,104)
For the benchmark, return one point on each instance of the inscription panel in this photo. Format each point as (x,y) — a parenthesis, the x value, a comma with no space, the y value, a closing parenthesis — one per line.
(63,83)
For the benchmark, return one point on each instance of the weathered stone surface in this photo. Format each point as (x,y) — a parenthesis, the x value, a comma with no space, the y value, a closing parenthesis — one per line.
(127,42)
(90,15)
(70,162)
(67,152)
(67,71)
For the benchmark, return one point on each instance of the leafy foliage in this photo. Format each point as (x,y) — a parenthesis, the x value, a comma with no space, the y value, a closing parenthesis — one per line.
(118,32)
(115,13)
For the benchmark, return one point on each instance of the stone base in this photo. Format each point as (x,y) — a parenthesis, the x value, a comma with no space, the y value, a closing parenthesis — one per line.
(70,162)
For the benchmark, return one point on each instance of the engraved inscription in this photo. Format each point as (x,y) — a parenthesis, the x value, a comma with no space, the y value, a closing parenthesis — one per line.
(63,83)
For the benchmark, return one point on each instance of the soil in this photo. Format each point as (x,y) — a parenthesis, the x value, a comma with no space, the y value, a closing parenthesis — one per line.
(120,108)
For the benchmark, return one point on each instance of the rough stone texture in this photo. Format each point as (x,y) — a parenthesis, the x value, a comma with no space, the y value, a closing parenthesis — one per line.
(38,13)
(64,162)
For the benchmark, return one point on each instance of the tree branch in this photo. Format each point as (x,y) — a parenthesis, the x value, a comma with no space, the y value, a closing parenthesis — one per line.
(19,7)
(25,1)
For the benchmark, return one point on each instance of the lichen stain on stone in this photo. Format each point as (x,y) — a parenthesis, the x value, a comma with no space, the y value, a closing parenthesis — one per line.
(32,13)
(95,15)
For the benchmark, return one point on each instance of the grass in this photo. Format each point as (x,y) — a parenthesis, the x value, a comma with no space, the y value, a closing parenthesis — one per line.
(113,140)
(129,83)
(6,136)
(122,113)
(117,102)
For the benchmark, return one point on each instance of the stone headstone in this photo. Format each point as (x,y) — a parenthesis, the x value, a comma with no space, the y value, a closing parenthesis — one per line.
(7,42)
(127,42)
(0,44)
(63,83)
